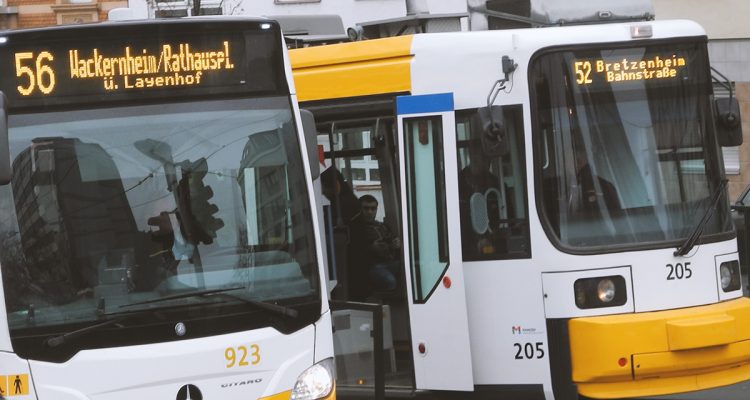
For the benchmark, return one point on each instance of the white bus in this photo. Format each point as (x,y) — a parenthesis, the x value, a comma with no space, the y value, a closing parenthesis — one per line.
(561,201)
(157,239)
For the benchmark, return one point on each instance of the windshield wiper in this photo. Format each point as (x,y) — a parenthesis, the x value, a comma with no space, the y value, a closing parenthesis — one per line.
(279,309)
(198,293)
(690,241)
(61,339)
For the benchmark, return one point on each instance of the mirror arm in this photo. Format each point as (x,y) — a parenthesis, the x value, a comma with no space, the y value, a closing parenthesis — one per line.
(509,66)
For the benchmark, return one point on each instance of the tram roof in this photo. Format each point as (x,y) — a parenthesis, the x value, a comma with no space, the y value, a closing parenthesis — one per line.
(381,66)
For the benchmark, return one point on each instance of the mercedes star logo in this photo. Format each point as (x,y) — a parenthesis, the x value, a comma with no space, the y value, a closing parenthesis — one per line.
(180,329)
(189,392)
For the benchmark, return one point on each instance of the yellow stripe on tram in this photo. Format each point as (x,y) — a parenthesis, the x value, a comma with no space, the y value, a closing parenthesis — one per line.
(352,69)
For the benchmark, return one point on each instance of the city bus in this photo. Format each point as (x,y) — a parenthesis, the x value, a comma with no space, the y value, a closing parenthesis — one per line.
(560,201)
(158,236)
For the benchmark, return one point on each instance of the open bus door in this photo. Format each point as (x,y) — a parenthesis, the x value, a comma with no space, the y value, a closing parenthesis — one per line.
(432,251)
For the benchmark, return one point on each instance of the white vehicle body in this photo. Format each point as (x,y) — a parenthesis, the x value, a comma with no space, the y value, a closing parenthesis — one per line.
(479,325)
(139,342)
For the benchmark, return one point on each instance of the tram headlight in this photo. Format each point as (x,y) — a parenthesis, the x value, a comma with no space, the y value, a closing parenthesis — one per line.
(316,382)
(605,291)
(729,274)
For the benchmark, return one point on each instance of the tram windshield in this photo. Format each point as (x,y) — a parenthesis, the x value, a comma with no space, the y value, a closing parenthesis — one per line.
(134,209)
(626,145)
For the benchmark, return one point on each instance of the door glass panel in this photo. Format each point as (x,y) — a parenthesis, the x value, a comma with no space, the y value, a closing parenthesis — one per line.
(425,187)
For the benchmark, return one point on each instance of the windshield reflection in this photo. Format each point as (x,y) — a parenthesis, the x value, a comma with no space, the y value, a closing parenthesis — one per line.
(626,161)
(115,207)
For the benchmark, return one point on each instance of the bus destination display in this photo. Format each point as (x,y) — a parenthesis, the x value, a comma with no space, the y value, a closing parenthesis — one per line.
(173,66)
(137,64)
(111,69)
(593,71)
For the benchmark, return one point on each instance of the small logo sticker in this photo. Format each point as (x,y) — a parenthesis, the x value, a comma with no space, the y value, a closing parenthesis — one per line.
(519,330)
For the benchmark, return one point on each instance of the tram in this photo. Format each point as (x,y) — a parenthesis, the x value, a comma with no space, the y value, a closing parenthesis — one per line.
(560,201)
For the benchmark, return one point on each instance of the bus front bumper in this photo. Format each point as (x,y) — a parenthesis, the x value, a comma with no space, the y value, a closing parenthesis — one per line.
(664,352)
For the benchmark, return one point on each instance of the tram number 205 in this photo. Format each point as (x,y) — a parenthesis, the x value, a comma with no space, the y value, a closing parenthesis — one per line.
(528,351)
(679,271)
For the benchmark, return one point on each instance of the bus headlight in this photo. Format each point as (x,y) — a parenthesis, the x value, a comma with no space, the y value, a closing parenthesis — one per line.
(605,291)
(729,272)
(316,382)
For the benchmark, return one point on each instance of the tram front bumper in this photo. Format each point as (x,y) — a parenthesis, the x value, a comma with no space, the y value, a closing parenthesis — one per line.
(662,352)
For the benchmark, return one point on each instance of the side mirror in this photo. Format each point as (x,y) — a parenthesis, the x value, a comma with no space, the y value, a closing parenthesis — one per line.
(491,124)
(311,140)
(5,168)
(728,122)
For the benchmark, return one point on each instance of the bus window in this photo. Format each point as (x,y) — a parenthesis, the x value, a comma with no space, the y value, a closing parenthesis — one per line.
(115,208)
(492,191)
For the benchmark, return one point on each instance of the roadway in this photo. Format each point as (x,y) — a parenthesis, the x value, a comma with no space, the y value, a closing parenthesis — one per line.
(740,391)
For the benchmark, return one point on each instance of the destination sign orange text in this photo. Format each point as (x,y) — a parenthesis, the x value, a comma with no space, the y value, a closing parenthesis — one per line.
(590,71)
(172,65)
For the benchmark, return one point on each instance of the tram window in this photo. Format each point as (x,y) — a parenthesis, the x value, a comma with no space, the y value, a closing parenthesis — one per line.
(353,146)
(426,203)
(492,191)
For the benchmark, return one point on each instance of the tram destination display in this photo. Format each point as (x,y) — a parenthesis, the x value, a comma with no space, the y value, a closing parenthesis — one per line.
(604,69)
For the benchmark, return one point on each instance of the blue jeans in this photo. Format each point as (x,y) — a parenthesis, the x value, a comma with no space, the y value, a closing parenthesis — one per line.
(383,275)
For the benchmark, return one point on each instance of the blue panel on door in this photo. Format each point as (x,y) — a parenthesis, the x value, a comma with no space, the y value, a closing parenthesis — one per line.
(425,103)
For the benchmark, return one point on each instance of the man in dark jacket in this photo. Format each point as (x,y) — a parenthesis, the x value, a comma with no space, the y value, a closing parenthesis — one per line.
(379,248)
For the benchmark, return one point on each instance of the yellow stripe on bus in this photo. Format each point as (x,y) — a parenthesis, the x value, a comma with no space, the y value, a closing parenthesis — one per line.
(288,394)
(279,396)
(352,69)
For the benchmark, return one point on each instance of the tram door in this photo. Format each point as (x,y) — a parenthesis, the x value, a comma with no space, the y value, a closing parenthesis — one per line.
(432,251)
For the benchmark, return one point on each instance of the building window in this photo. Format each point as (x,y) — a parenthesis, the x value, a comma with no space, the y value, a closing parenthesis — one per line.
(184,8)
(171,13)
(211,11)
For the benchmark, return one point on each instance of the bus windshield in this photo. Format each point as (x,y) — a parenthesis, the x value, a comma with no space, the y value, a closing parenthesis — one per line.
(625,145)
(112,209)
